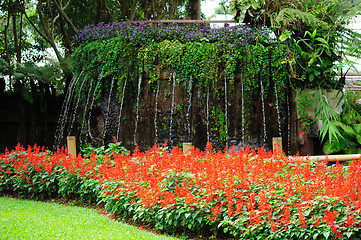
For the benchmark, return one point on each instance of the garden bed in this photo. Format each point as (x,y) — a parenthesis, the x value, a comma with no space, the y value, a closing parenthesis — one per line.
(247,194)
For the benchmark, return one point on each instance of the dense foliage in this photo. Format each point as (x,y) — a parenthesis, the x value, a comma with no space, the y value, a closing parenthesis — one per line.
(196,53)
(348,123)
(245,193)
(320,45)
(316,34)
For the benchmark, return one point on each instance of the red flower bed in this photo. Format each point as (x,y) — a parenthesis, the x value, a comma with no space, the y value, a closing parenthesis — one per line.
(244,193)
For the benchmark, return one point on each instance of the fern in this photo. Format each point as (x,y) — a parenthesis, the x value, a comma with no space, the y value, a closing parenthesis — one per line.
(321,9)
(289,15)
(346,128)
(346,145)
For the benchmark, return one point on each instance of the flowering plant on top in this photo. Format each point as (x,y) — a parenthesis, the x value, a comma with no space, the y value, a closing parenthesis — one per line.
(141,34)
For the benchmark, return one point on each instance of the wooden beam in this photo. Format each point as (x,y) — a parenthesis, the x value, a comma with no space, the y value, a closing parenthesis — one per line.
(277,142)
(182,21)
(186,146)
(71,141)
(334,158)
(331,158)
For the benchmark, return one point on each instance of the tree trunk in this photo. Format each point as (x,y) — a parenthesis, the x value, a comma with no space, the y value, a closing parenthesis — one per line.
(7,54)
(158,7)
(15,33)
(171,10)
(99,11)
(154,12)
(133,10)
(108,11)
(48,37)
(65,36)
(146,17)
(63,14)
(21,32)
(195,9)
(293,123)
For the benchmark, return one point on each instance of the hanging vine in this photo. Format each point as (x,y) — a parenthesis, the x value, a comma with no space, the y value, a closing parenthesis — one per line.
(208,62)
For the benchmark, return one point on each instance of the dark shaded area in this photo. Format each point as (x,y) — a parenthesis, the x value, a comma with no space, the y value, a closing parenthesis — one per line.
(28,123)
(158,122)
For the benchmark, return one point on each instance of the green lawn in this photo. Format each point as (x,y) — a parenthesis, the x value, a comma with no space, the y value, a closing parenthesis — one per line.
(24,219)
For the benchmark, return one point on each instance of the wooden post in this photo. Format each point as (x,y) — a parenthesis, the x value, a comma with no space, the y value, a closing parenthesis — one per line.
(71,141)
(186,146)
(277,141)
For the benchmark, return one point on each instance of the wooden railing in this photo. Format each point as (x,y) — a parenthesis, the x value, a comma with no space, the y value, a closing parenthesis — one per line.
(334,158)
(277,142)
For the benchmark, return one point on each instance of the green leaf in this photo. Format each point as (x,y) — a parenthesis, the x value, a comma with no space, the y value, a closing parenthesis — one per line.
(312,77)
(322,40)
(18,75)
(328,52)
(358,137)
(357,128)
(26,95)
(285,35)
(313,35)
(255,5)
(326,234)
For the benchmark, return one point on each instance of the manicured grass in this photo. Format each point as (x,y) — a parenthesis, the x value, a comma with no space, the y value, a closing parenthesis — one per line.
(25,219)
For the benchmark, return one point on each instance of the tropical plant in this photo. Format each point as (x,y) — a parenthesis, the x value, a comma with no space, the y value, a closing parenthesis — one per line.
(347,124)
(318,44)
(315,33)
(112,148)
(29,80)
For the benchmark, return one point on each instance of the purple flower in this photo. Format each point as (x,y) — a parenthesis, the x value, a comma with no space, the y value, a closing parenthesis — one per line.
(144,32)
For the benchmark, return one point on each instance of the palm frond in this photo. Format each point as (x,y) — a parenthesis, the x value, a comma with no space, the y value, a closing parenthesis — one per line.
(351,13)
(329,116)
(350,42)
(3,63)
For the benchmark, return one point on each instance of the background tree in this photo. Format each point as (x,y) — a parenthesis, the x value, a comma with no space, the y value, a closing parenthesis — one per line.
(194,10)
(35,33)
(223,8)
